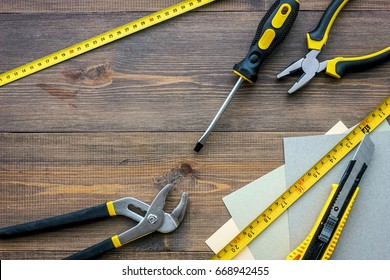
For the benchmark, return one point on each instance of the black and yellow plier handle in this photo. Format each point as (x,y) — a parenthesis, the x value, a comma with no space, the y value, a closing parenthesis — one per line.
(155,219)
(336,67)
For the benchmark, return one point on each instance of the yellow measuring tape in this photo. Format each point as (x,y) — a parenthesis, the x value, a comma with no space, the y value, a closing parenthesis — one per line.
(100,40)
(315,173)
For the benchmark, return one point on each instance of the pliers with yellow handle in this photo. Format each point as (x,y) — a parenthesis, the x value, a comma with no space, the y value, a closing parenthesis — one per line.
(336,67)
(155,219)
(323,237)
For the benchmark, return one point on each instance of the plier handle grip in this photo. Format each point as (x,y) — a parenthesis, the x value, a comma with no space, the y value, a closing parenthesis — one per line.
(336,67)
(155,219)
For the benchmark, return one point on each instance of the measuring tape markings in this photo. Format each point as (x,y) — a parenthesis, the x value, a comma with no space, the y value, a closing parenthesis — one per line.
(303,184)
(100,40)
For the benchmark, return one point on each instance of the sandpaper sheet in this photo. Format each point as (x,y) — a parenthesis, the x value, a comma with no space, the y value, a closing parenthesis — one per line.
(366,233)
(275,244)
(246,203)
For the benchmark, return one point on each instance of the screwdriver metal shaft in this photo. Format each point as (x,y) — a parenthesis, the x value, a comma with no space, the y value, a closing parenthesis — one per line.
(271,31)
(202,140)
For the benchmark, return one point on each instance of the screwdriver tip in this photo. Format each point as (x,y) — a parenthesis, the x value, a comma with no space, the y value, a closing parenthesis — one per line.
(198,147)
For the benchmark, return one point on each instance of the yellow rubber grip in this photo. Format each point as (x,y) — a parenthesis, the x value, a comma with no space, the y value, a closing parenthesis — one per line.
(317,38)
(281,16)
(331,67)
(111,208)
(115,241)
(242,76)
(267,38)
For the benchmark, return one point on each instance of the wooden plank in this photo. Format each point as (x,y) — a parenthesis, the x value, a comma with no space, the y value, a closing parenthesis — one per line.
(157,81)
(118,255)
(375,5)
(98,6)
(46,174)
(86,6)
(132,112)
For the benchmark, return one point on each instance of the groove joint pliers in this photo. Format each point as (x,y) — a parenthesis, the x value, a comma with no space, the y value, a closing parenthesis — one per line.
(155,219)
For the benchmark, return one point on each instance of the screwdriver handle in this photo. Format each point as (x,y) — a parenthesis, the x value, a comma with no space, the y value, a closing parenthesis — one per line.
(272,30)
(340,65)
(317,38)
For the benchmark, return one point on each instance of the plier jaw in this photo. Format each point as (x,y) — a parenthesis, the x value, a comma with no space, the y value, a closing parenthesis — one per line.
(310,67)
(155,219)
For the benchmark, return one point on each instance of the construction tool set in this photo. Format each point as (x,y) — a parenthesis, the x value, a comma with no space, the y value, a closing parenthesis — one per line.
(271,31)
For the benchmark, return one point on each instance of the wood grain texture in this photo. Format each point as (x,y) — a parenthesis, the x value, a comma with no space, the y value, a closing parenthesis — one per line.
(123,120)
(49,174)
(87,6)
(157,81)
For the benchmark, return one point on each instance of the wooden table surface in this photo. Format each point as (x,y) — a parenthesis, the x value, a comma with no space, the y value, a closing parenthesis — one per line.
(123,120)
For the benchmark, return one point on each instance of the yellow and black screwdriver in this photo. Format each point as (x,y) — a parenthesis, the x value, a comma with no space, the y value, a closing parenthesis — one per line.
(272,30)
